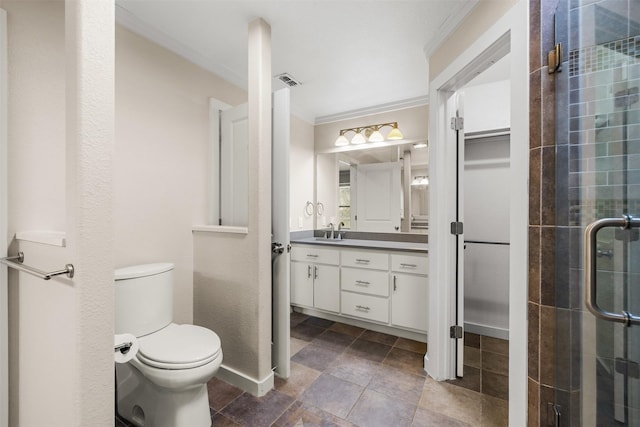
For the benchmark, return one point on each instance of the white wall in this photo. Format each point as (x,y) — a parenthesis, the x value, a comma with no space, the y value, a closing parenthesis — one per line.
(301,174)
(232,271)
(60,178)
(162,157)
(41,320)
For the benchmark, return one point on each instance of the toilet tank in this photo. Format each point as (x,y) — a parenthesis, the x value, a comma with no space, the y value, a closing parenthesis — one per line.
(144,298)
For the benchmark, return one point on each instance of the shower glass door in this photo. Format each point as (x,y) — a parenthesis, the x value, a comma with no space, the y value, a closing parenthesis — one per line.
(597,370)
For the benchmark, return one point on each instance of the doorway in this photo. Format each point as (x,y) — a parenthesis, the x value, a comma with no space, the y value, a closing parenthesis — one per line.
(503,37)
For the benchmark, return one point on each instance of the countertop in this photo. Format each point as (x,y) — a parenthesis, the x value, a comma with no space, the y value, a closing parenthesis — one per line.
(364,244)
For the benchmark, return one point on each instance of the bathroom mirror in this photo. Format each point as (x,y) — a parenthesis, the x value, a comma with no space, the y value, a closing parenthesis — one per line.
(344,179)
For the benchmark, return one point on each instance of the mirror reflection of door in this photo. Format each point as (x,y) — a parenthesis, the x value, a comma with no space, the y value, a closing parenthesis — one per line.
(378,197)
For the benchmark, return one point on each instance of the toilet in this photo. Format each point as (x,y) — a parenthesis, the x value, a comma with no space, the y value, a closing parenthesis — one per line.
(165,383)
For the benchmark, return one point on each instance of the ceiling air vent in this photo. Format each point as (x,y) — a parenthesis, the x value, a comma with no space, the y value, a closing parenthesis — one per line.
(288,80)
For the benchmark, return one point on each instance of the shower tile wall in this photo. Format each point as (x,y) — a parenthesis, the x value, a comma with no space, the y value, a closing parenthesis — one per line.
(575,175)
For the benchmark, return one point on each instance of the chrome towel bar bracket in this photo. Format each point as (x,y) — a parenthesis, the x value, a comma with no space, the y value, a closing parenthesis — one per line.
(591,254)
(16,261)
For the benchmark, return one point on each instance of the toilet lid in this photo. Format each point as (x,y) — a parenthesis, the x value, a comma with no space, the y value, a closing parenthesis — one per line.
(179,347)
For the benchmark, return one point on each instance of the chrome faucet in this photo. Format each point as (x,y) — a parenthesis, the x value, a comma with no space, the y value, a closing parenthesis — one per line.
(339,236)
(332,231)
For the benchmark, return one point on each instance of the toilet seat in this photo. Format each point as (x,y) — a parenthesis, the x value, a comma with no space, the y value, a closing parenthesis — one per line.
(179,347)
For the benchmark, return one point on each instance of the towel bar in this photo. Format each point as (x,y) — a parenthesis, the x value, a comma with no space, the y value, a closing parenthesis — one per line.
(17,260)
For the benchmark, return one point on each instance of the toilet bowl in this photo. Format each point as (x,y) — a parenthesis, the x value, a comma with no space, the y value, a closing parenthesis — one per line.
(165,384)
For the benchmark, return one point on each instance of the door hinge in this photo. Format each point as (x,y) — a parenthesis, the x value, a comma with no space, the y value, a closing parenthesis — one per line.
(456,228)
(457,123)
(455,331)
(554,57)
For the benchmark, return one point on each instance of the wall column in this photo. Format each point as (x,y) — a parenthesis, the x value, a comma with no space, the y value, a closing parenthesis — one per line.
(90,40)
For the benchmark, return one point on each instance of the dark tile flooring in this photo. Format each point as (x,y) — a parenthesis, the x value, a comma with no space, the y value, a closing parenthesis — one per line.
(343,375)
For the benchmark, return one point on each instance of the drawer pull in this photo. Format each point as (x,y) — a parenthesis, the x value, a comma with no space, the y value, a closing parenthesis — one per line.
(362,308)
(362,261)
(362,283)
(312,255)
(402,264)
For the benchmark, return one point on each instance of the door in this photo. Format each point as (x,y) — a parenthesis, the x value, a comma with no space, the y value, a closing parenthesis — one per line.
(378,197)
(280,256)
(326,287)
(598,323)
(410,296)
(455,106)
(302,283)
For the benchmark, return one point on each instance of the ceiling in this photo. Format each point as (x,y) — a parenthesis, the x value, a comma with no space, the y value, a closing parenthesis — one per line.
(352,57)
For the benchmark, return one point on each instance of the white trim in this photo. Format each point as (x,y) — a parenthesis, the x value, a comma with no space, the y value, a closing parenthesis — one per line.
(131,22)
(255,387)
(53,238)
(448,27)
(227,229)
(515,23)
(381,108)
(4,306)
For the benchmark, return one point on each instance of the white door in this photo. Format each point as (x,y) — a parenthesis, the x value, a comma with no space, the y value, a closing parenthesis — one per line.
(378,197)
(455,107)
(302,283)
(280,256)
(326,287)
(234,166)
(410,297)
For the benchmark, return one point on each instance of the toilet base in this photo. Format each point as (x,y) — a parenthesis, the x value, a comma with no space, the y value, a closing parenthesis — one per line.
(145,404)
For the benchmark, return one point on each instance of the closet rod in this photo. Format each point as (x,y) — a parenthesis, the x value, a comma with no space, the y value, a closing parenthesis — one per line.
(17,260)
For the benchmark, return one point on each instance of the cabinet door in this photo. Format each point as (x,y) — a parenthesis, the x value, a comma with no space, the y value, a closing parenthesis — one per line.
(409,301)
(302,283)
(326,289)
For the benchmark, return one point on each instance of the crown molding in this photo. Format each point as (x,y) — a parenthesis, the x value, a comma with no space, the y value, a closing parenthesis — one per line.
(132,23)
(375,109)
(449,26)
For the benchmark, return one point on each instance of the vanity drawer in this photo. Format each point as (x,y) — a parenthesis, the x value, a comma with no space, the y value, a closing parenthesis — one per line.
(365,306)
(365,259)
(316,255)
(410,263)
(366,281)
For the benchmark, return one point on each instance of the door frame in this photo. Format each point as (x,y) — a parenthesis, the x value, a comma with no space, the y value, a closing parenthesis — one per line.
(4,306)
(509,33)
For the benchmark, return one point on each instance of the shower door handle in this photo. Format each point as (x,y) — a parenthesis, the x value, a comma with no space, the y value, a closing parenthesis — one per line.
(591,254)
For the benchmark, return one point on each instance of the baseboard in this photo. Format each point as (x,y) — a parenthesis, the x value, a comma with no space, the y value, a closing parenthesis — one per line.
(250,385)
(489,331)
(403,333)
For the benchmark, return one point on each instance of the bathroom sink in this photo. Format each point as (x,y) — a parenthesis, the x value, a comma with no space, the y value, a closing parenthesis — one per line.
(324,239)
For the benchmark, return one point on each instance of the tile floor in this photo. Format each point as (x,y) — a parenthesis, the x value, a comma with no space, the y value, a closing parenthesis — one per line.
(342,375)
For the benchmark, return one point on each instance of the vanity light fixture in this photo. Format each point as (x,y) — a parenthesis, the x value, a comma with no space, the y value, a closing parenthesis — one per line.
(370,133)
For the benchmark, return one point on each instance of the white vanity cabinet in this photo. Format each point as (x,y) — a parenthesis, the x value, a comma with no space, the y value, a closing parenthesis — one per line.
(383,286)
(315,277)
(409,291)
